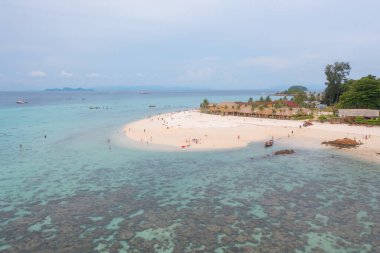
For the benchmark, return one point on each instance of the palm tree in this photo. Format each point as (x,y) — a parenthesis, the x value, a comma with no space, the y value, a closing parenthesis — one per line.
(204,104)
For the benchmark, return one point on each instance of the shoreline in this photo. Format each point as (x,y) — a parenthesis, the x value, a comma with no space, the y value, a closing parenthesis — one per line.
(194,131)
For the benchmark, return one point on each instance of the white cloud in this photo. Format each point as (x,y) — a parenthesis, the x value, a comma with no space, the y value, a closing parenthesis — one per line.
(64,73)
(37,73)
(96,75)
(274,63)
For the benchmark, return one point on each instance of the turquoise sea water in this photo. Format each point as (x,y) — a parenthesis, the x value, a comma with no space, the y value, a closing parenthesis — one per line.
(75,191)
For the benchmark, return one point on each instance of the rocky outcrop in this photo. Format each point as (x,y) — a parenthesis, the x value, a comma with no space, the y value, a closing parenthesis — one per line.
(284,152)
(343,143)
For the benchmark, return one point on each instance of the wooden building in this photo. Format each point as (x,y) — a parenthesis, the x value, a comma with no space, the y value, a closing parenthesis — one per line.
(352,113)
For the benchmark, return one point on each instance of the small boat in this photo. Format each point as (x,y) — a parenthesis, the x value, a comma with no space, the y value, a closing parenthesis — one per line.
(144,92)
(21,102)
(307,123)
(269,143)
(152,106)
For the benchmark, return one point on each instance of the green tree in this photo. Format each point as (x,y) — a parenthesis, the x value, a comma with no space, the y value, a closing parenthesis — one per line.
(278,104)
(268,99)
(300,97)
(336,76)
(250,100)
(363,93)
(312,96)
(204,104)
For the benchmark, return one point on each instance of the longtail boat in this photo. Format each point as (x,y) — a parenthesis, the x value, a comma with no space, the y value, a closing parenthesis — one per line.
(269,143)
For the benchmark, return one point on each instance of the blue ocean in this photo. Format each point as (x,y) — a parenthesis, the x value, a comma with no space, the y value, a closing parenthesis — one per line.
(66,186)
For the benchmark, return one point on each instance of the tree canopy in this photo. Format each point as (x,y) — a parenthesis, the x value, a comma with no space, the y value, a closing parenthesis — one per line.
(300,97)
(363,93)
(204,104)
(336,76)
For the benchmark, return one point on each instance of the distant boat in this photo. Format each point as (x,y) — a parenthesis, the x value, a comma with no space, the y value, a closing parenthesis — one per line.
(269,143)
(152,106)
(21,102)
(144,92)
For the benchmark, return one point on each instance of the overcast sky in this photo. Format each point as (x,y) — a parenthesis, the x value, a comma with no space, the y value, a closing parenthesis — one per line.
(220,44)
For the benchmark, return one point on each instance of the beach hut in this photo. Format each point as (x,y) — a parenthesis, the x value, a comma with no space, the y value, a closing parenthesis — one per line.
(228,108)
(245,110)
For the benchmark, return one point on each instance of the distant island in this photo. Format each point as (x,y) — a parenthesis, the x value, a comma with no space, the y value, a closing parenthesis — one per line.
(292,90)
(68,89)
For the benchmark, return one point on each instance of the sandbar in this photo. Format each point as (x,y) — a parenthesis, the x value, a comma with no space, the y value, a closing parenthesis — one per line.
(192,130)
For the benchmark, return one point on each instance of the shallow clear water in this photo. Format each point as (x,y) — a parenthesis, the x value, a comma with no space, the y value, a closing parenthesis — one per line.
(75,192)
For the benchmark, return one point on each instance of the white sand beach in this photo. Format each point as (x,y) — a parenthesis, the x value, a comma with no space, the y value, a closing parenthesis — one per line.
(193,131)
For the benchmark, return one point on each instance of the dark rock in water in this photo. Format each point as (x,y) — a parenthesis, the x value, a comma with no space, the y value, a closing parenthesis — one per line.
(126,235)
(343,143)
(213,228)
(241,238)
(284,152)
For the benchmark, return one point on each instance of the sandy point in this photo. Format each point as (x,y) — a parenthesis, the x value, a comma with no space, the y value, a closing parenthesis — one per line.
(194,131)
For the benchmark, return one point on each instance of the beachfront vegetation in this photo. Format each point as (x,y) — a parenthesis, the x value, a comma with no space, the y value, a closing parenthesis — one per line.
(303,117)
(363,93)
(300,97)
(340,94)
(281,108)
(362,120)
(204,105)
(325,118)
(348,93)
(336,76)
